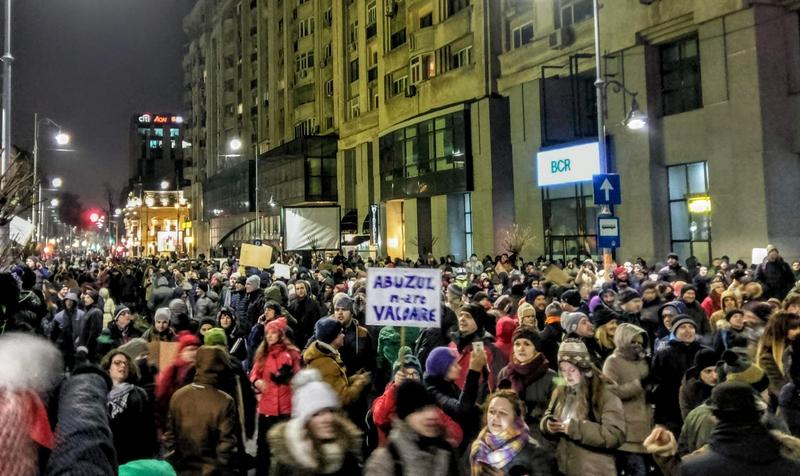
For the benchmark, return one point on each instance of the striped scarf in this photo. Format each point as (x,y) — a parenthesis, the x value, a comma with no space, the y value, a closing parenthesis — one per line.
(497,451)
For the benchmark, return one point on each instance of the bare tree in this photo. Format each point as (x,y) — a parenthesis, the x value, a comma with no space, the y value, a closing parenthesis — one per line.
(516,237)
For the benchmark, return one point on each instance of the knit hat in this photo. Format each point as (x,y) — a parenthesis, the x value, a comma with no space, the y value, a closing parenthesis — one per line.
(532,335)
(147,467)
(203,286)
(277,325)
(311,395)
(673,255)
(703,359)
(254,281)
(688,287)
(627,295)
(328,329)
(412,396)
(480,296)
(471,291)
(406,359)
(736,401)
(532,294)
(552,309)
(737,367)
(119,310)
(185,339)
(571,297)
(454,291)
(682,319)
(241,280)
(771,248)
(342,301)
(570,321)
(162,314)
(574,351)
(439,361)
(216,336)
(478,314)
(525,308)
(135,347)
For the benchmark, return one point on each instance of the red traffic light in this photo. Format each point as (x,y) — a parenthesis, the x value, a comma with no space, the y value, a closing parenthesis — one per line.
(94,216)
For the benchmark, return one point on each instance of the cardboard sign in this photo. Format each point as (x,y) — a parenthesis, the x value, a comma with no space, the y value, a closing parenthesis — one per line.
(20,230)
(255,256)
(282,270)
(759,254)
(556,275)
(162,353)
(404,297)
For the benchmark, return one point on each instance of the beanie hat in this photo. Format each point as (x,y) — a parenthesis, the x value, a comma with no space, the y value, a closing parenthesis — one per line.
(216,336)
(471,291)
(241,280)
(527,308)
(412,396)
(480,296)
(594,302)
(162,314)
(119,310)
(135,347)
(553,309)
(733,312)
(682,319)
(737,367)
(762,310)
(439,361)
(735,401)
(147,467)
(673,255)
(406,359)
(527,333)
(178,306)
(277,325)
(454,291)
(627,295)
(619,270)
(518,290)
(342,301)
(203,287)
(687,287)
(311,395)
(254,281)
(570,321)
(703,359)
(532,294)
(503,303)
(574,351)
(478,314)
(571,297)
(93,294)
(185,339)
(771,248)
(328,329)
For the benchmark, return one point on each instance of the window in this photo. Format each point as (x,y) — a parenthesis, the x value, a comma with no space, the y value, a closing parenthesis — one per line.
(305,27)
(354,70)
(690,227)
(569,12)
(300,2)
(523,35)
(455,6)
(570,218)
(304,128)
(304,61)
(159,132)
(398,39)
(328,17)
(680,76)
(353,108)
(421,68)
(462,57)
(372,13)
(329,87)
(426,20)
(352,35)
(397,83)
(468,223)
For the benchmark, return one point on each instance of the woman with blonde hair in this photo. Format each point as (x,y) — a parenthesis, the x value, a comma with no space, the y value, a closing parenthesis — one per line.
(728,300)
(771,353)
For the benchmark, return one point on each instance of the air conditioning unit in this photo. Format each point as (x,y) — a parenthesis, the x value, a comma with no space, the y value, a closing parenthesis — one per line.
(411,91)
(391,8)
(561,38)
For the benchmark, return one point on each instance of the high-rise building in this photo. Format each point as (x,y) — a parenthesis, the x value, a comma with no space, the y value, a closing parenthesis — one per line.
(156,151)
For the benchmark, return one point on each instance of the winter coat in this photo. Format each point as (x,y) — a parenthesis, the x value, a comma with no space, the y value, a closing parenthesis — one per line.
(460,405)
(201,429)
(92,327)
(628,370)
(698,315)
(404,457)
(276,369)
(552,335)
(743,450)
(766,361)
(293,454)
(776,278)
(162,295)
(536,394)
(327,361)
(585,450)
(134,434)
(122,336)
(108,307)
(789,402)
(255,307)
(692,394)
(504,331)
(669,366)
(239,305)
(358,350)
(307,312)
(151,335)
(678,273)
(495,361)
(206,307)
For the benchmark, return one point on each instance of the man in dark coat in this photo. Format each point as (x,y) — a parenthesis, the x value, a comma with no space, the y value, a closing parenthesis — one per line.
(92,327)
(673,271)
(775,275)
(162,295)
(305,309)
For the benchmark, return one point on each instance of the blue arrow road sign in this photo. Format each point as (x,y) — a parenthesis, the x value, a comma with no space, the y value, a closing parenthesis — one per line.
(606,189)
(608,232)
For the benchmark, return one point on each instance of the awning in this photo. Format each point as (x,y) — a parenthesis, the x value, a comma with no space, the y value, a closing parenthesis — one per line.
(349,222)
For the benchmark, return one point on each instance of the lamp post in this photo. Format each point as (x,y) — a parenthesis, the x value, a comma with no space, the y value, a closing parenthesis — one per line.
(61,139)
(235,145)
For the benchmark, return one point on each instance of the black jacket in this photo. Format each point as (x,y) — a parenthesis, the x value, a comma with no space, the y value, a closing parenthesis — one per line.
(460,405)
(133,429)
(307,312)
(669,366)
(92,327)
(551,339)
(776,278)
(678,273)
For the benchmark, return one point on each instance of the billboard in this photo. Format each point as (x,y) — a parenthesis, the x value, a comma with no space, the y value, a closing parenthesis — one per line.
(312,228)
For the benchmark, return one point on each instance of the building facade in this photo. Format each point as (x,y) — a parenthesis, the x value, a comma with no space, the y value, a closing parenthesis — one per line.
(156,151)
(431,114)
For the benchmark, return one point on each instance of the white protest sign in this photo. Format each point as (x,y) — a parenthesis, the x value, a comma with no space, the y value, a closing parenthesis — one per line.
(282,270)
(758,256)
(404,297)
(20,230)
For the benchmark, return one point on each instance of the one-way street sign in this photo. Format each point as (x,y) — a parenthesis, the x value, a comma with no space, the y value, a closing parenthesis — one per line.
(606,189)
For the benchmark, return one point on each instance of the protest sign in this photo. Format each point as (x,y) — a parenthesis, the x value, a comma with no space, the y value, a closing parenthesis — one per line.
(556,275)
(758,256)
(404,297)
(162,354)
(282,270)
(255,256)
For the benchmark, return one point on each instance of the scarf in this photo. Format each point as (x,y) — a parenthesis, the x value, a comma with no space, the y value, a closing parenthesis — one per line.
(550,320)
(497,451)
(522,375)
(118,398)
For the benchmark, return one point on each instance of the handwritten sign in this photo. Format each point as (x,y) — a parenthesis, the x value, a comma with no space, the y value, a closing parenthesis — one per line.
(404,297)
(255,256)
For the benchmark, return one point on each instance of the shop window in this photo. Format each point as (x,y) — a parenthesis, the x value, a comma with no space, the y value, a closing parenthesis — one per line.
(570,218)
(680,76)
(690,211)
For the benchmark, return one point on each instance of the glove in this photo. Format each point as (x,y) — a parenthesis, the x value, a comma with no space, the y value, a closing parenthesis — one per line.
(283,376)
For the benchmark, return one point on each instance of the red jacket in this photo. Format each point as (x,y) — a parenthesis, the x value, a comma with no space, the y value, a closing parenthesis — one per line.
(495,361)
(710,306)
(383,412)
(276,398)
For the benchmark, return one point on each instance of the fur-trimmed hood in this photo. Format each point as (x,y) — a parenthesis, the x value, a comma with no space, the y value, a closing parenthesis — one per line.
(292,448)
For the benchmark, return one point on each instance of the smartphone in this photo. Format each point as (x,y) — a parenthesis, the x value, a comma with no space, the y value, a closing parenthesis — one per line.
(477,346)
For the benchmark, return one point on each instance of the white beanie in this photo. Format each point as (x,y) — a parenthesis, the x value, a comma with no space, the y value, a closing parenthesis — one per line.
(311,395)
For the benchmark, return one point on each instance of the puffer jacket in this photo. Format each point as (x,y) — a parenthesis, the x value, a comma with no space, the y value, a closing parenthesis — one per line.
(206,307)
(326,360)
(437,460)
(627,367)
(279,364)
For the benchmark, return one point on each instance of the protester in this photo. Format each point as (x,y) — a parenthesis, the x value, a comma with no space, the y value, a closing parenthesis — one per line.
(698,381)
(179,373)
(782,329)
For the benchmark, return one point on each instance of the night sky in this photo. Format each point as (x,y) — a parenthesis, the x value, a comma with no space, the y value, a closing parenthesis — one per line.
(90,65)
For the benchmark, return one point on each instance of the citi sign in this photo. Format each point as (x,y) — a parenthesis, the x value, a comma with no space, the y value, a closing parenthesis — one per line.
(567,164)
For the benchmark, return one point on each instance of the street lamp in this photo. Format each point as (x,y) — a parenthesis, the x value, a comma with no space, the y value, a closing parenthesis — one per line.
(56,182)
(164,185)
(235,144)
(61,139)
(54,203)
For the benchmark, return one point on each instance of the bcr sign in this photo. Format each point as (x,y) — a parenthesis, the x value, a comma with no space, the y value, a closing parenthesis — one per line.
(567,164)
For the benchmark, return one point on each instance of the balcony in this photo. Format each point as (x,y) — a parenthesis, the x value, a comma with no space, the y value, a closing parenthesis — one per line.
(422,40)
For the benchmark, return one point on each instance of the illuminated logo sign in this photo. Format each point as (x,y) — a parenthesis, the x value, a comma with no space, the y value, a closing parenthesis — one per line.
(568,164)
(160,119)
(145,118)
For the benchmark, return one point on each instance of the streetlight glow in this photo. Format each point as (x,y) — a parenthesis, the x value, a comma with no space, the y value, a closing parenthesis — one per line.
(57,182)
(164,185)
(54,202)
(235,144)
(62,138)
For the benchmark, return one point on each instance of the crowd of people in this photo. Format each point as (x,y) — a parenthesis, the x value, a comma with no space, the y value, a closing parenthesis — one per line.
(163,366)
